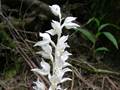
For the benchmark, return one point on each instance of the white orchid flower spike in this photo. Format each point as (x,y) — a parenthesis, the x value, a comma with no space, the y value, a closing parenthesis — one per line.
(55,51)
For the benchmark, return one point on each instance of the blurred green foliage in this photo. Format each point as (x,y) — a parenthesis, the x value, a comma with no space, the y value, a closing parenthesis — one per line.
(9,60)
(6,40)
(94,35)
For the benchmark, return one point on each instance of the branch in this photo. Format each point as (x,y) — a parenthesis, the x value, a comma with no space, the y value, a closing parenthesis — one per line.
(88,67)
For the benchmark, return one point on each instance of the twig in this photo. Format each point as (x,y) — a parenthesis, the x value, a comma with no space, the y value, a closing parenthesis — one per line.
(103,82)
(92,69)
(83,80)
(73,76)
(16,35)
(111,82)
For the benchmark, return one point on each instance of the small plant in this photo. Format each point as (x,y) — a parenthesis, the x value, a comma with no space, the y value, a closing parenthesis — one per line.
(55,52)
(94,37)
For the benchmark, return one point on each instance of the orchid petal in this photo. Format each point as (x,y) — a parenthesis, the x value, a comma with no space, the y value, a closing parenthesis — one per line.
(44,54)
(55,10)
(63,39)
(71,25)
(66,64)
(51,32)
(66,70)
(61,72)
(47,48)
(54,79)
(69,19)
(65,79)
(61,45)
(45,36)
(39,85)
(41,43)
(50,88)
(45,68)
(39,71)
(65,55)
(56,26)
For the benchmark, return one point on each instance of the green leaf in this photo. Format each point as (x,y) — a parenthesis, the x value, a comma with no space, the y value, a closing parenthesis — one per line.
(103,26)
(93,20)
(101,49)
(106,25)
(87,34)
(111,38)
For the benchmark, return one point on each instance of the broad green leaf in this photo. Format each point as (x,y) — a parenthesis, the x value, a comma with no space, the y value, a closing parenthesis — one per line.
(106,25)
(103,26)
(87,34)
(98,34)
(93,20)
(111,38)
(101,49)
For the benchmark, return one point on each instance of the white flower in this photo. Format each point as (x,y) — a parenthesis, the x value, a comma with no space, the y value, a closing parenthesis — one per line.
(45,68)
(56,25)
(56,28)
(69,19)
(61,61)
(65,55)
(45,55)
(44,44)
(55,10)
(61,45)
(57,77)
(69,24)
(39,85)
(54,79)
(63,39)
(45,36)
(47,48)
(46,39)
(60,74)
(61,64)
(47,51)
